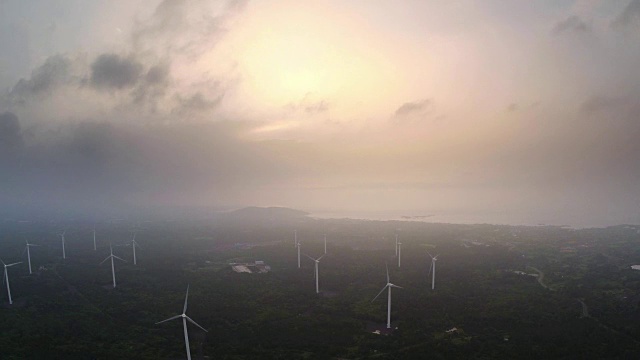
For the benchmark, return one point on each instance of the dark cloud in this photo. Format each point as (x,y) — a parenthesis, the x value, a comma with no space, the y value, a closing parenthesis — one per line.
(110,71)
(572,24)
(602,104)
(316,108)
(55,71)
(416,107)
(196,103)
(629,18)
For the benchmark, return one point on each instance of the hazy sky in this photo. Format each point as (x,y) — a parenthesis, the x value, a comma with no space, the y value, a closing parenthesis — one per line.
(416,106)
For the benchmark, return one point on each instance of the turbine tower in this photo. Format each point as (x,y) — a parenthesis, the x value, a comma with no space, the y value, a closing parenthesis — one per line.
(325,244)
(317,261)
(396,244)
(94,239)
(388,286)
(29,254)
(6,278)
(295,238)
(298,246)
(113,270)
(399,253)
(433,268)
(133,245)
(184,323)
(64,255)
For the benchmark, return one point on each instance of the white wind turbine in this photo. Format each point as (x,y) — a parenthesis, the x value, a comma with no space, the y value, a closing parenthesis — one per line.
(298,246)
(64,255)
(396,244)
(184,323)
(295,238)
(29,254)
(6,278)
(133,245)
(113,270)
(325,243)
(316,275)
(94,239)
(432,270)
(399,249)
(388,286)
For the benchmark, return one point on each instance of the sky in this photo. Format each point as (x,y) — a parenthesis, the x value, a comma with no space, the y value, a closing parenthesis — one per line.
(506,112)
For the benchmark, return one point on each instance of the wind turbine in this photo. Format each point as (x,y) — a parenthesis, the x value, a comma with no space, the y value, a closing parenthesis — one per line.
(295,238)
(317,261)
(399,249)
(6,278)
(64,255)
(298,246)
(325,244)
(184,323)
(433,267)
(396,244)
(113,270)
(133,245)
(94,239)
(29,255)
(388,286)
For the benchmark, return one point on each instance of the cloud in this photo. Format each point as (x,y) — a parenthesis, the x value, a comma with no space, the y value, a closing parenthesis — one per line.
(572,24)
(55,71)
(110,71)
(602,104)
(416,107)
(196,103)
(629,19)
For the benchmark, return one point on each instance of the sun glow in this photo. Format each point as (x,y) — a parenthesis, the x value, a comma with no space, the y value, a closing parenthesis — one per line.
(302,54)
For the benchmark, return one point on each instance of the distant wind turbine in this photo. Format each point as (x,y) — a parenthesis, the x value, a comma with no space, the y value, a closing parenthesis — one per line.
(113,270)
(325,243)
(432,270)
(94,239)
(295,238)
(6,278)
(133,245)
(399,253)
(298,246)
(29,254)
(388,286)
(396,244)
(184,323)
(64,255)
(317,261)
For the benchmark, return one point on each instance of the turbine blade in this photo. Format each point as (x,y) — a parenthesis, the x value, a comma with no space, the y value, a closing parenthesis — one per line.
(430,268)
(184,310)
(431,256)
(436,257)
(169,319)
(309,257)
(14,264)
(25,250)
(396,286)
(119,258)
(321,257)
(381,291)
(135,243)
(105,259)
(195,323)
